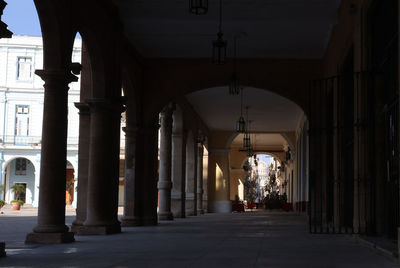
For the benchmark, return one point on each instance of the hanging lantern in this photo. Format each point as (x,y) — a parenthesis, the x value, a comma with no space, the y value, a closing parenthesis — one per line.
(246,141)
(219,50)
(250,152)
(198,7)
(234,86)
(241,125)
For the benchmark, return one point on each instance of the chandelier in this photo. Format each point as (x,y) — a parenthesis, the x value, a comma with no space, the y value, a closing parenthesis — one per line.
(219,45)
(198,7)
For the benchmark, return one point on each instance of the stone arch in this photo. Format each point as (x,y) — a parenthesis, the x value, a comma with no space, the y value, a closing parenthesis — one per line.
(57,32)
(178,122)
(130,87)
(235,134)
(287,78)
(92,63)
(32,159)
(26,175)
(103,52)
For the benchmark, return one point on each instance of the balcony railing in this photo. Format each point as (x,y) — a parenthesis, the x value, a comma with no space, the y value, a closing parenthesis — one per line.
(36,140)
(31,140)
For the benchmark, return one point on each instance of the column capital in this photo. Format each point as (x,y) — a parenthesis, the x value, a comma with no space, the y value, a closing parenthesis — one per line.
(56,76)
(148,128)
(83,108)
(166,117)
(200,149)
(168,109)
(200,139)
(130,131)
(114,105)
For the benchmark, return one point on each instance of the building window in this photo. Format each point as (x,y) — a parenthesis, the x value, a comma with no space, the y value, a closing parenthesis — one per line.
(24,68)
(22,109)
(22,120)
(20,166)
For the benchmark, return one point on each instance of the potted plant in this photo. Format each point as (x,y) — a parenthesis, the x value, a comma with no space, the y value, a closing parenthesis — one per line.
(2,203)
(16,204)
(17,189)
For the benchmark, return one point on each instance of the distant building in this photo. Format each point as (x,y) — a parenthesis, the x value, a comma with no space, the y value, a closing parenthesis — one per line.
(21,112)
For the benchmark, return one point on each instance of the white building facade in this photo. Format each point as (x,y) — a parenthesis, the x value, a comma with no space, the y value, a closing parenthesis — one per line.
(21,112)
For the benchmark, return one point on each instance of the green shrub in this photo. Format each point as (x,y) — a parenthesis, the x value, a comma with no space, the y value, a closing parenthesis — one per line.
(18,201)
(18,189)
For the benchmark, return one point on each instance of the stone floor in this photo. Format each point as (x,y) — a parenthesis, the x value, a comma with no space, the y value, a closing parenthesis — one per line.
(251,239)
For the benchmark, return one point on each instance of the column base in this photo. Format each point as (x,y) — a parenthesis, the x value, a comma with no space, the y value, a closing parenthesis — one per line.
(190,208)
(75,227)
(129,222)
(165,216)
(99,230)
(2,249)
(49,238)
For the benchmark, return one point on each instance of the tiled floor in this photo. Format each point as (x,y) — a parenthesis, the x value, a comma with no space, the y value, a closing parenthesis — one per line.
(252,239)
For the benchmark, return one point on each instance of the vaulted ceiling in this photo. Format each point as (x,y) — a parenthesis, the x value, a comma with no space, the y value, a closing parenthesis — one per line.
(268,111)
(274,28)
(295,29)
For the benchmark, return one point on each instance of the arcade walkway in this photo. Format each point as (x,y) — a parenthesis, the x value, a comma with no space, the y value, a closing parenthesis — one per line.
(256,239)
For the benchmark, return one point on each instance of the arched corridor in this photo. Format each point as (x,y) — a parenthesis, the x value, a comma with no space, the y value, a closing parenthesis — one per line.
(177,113)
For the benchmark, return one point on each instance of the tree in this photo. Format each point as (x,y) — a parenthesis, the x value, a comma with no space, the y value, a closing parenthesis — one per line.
(250,190)
(18,189)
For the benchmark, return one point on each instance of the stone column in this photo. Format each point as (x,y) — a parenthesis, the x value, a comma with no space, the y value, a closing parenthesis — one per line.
(130,143)
(178,174)
(145,205)
(164,182)
(191,174)
(205,179)
(218,181)
(200,191)
(83,164)
(51,226)
(103,181)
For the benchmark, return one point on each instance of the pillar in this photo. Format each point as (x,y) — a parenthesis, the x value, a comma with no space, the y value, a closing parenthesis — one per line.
(205,179)
(164,182)
(200,191)
(51,226)
(145,205)
(128,218)
(191,174)
(83,164)
(218,181)
(103,180)
(178,194)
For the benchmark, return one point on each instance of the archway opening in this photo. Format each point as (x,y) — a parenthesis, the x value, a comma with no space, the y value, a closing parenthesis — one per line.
(275,126)
(20,172)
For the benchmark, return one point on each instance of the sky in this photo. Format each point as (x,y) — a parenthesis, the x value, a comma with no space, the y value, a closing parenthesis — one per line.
(21,17)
